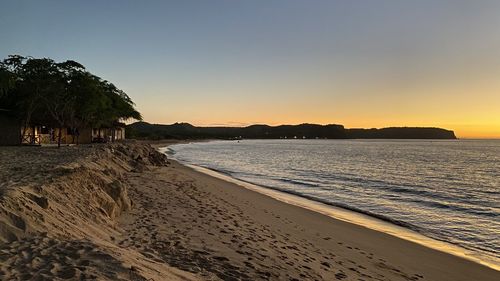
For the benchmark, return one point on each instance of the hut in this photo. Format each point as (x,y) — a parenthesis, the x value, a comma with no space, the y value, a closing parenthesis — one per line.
(112,133)
(12,133)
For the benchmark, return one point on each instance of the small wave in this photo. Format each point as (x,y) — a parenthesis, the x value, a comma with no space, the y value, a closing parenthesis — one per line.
(168,151)
(450,206)
(334,204)
(218,170)
(298,182)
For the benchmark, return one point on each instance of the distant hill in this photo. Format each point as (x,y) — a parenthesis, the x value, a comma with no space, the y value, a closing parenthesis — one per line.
(401,133)
(144,130)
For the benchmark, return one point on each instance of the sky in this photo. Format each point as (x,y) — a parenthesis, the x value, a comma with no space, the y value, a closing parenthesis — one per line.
(233,62)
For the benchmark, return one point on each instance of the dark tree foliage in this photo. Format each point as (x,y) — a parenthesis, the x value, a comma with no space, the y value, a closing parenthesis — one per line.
(42,91)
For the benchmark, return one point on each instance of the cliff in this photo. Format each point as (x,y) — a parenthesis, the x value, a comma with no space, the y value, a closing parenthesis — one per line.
(401,133)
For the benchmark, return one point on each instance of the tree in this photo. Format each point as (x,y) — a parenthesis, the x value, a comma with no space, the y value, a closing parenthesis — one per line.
(22,92)
(7,80)
(65,95)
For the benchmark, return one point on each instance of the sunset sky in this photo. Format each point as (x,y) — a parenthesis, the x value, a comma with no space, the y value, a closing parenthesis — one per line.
(233,62)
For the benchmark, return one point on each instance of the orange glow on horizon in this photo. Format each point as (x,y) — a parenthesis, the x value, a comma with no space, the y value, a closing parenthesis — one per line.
(469,107)
(462,131)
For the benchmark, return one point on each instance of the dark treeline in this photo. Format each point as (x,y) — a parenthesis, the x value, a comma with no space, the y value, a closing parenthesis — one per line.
(61,95)
(143,130)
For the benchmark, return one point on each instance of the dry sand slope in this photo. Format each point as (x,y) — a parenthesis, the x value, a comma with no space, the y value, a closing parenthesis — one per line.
(119,212)
(58,211)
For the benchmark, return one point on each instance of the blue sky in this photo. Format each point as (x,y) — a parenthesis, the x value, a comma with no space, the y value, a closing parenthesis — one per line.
(358,63)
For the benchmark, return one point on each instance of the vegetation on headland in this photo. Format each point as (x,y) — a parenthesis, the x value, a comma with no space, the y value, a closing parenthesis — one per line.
(143,130)
(60,95)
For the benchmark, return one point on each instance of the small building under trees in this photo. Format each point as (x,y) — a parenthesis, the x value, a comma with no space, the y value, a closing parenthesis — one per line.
(13,134)
(44,102)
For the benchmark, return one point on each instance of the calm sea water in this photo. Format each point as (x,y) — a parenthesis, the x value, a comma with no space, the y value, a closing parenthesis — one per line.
(447,190)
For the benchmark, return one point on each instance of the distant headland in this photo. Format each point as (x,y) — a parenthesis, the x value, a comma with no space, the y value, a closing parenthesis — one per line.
(144,130)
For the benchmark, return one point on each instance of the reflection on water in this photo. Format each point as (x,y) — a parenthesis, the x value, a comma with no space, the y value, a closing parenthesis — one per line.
(447,190)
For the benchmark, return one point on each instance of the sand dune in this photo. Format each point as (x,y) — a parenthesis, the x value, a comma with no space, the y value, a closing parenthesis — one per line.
(58,211)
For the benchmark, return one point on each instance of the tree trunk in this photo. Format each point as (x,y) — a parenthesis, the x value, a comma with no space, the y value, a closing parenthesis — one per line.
(29,112)
(23,133)
(33,140)
(59,138)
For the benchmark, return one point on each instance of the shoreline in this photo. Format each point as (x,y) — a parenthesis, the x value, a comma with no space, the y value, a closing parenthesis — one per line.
(215,227)
(351,216)
(347,215)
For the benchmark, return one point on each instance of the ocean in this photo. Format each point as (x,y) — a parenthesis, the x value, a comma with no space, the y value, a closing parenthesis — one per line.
(448,190)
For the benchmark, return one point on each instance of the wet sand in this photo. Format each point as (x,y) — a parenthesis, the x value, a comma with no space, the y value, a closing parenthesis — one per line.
(220,230)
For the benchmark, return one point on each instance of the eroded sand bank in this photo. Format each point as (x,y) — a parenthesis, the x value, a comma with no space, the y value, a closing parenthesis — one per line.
(59,211)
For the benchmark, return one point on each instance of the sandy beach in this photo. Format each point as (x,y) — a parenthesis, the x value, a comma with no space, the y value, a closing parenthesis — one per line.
(123,212)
